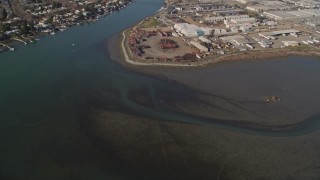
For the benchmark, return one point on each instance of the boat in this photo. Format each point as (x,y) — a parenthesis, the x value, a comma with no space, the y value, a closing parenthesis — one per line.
(272,99)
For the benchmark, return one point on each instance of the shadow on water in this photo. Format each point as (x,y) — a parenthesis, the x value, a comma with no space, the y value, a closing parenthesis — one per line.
(120,89)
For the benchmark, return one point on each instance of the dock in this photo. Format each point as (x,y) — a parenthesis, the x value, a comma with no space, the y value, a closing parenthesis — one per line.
(20,40)
(10,48)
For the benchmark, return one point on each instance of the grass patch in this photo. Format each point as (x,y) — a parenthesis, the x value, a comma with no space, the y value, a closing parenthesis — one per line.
(302,47)
(150,23)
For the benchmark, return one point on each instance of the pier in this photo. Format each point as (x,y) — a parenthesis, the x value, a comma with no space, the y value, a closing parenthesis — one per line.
(17,39)
(10,48)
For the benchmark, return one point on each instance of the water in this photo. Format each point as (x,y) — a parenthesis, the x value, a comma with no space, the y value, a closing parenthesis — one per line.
(48,88)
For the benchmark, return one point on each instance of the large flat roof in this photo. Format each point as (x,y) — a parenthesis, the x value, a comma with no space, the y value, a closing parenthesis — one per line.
(274,33)
(315,12)
(281,14)
(300,14)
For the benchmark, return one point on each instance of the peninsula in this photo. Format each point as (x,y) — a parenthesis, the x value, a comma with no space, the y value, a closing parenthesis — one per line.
(192,33)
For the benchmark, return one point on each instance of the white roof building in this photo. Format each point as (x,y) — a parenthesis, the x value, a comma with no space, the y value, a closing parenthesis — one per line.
(260,8)
(278,15)
(313,12)
(214,19)
(276,33)
(204,39)
(290,43)
(236,17)
(222,32)
(300,14)
(191,30)
(199,46)
(243,21)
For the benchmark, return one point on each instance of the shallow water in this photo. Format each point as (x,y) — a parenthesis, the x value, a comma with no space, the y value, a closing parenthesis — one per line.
(49,88)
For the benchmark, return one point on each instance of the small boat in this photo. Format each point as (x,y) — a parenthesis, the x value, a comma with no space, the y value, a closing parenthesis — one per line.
(272,99)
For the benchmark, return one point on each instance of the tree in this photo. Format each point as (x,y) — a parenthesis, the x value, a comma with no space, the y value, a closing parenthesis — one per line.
(90,8)
(56,5)
(4,27)
(25,29)
(81,16)
(4,13)
(1,27)
(50,19)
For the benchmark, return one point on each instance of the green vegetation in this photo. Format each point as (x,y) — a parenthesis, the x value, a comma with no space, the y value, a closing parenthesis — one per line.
(25,28)
(4,27)
(3,14)
(56,5)
(302,47)
(151,22)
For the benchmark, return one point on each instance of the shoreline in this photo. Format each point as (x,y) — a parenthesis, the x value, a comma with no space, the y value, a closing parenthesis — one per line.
(11,44)
(248,55)
(178,74)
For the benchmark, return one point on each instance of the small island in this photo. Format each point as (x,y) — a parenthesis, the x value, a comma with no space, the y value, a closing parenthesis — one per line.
(191,33)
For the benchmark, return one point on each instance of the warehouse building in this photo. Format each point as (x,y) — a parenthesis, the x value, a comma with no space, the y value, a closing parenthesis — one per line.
(214,19)
(236,17)
(300,14)
(278,15)
(313,12)
(199,46)
(191,30)
(270,35)
(204,39)
(260,8)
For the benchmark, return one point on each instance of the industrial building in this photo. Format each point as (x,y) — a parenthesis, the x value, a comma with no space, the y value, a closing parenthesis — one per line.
(243,21)
(244,24)
(270,35)
(313,12)
(236,17)
(214,19)
(246,1)
(199,46)
(290,43)
(227,11)
(278,15)
(223,32)
(260,8)
(313,24)
(191,30)
(300,14)
(222,18)
(204,39)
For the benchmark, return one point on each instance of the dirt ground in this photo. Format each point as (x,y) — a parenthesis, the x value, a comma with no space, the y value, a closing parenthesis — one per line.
(157,52)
